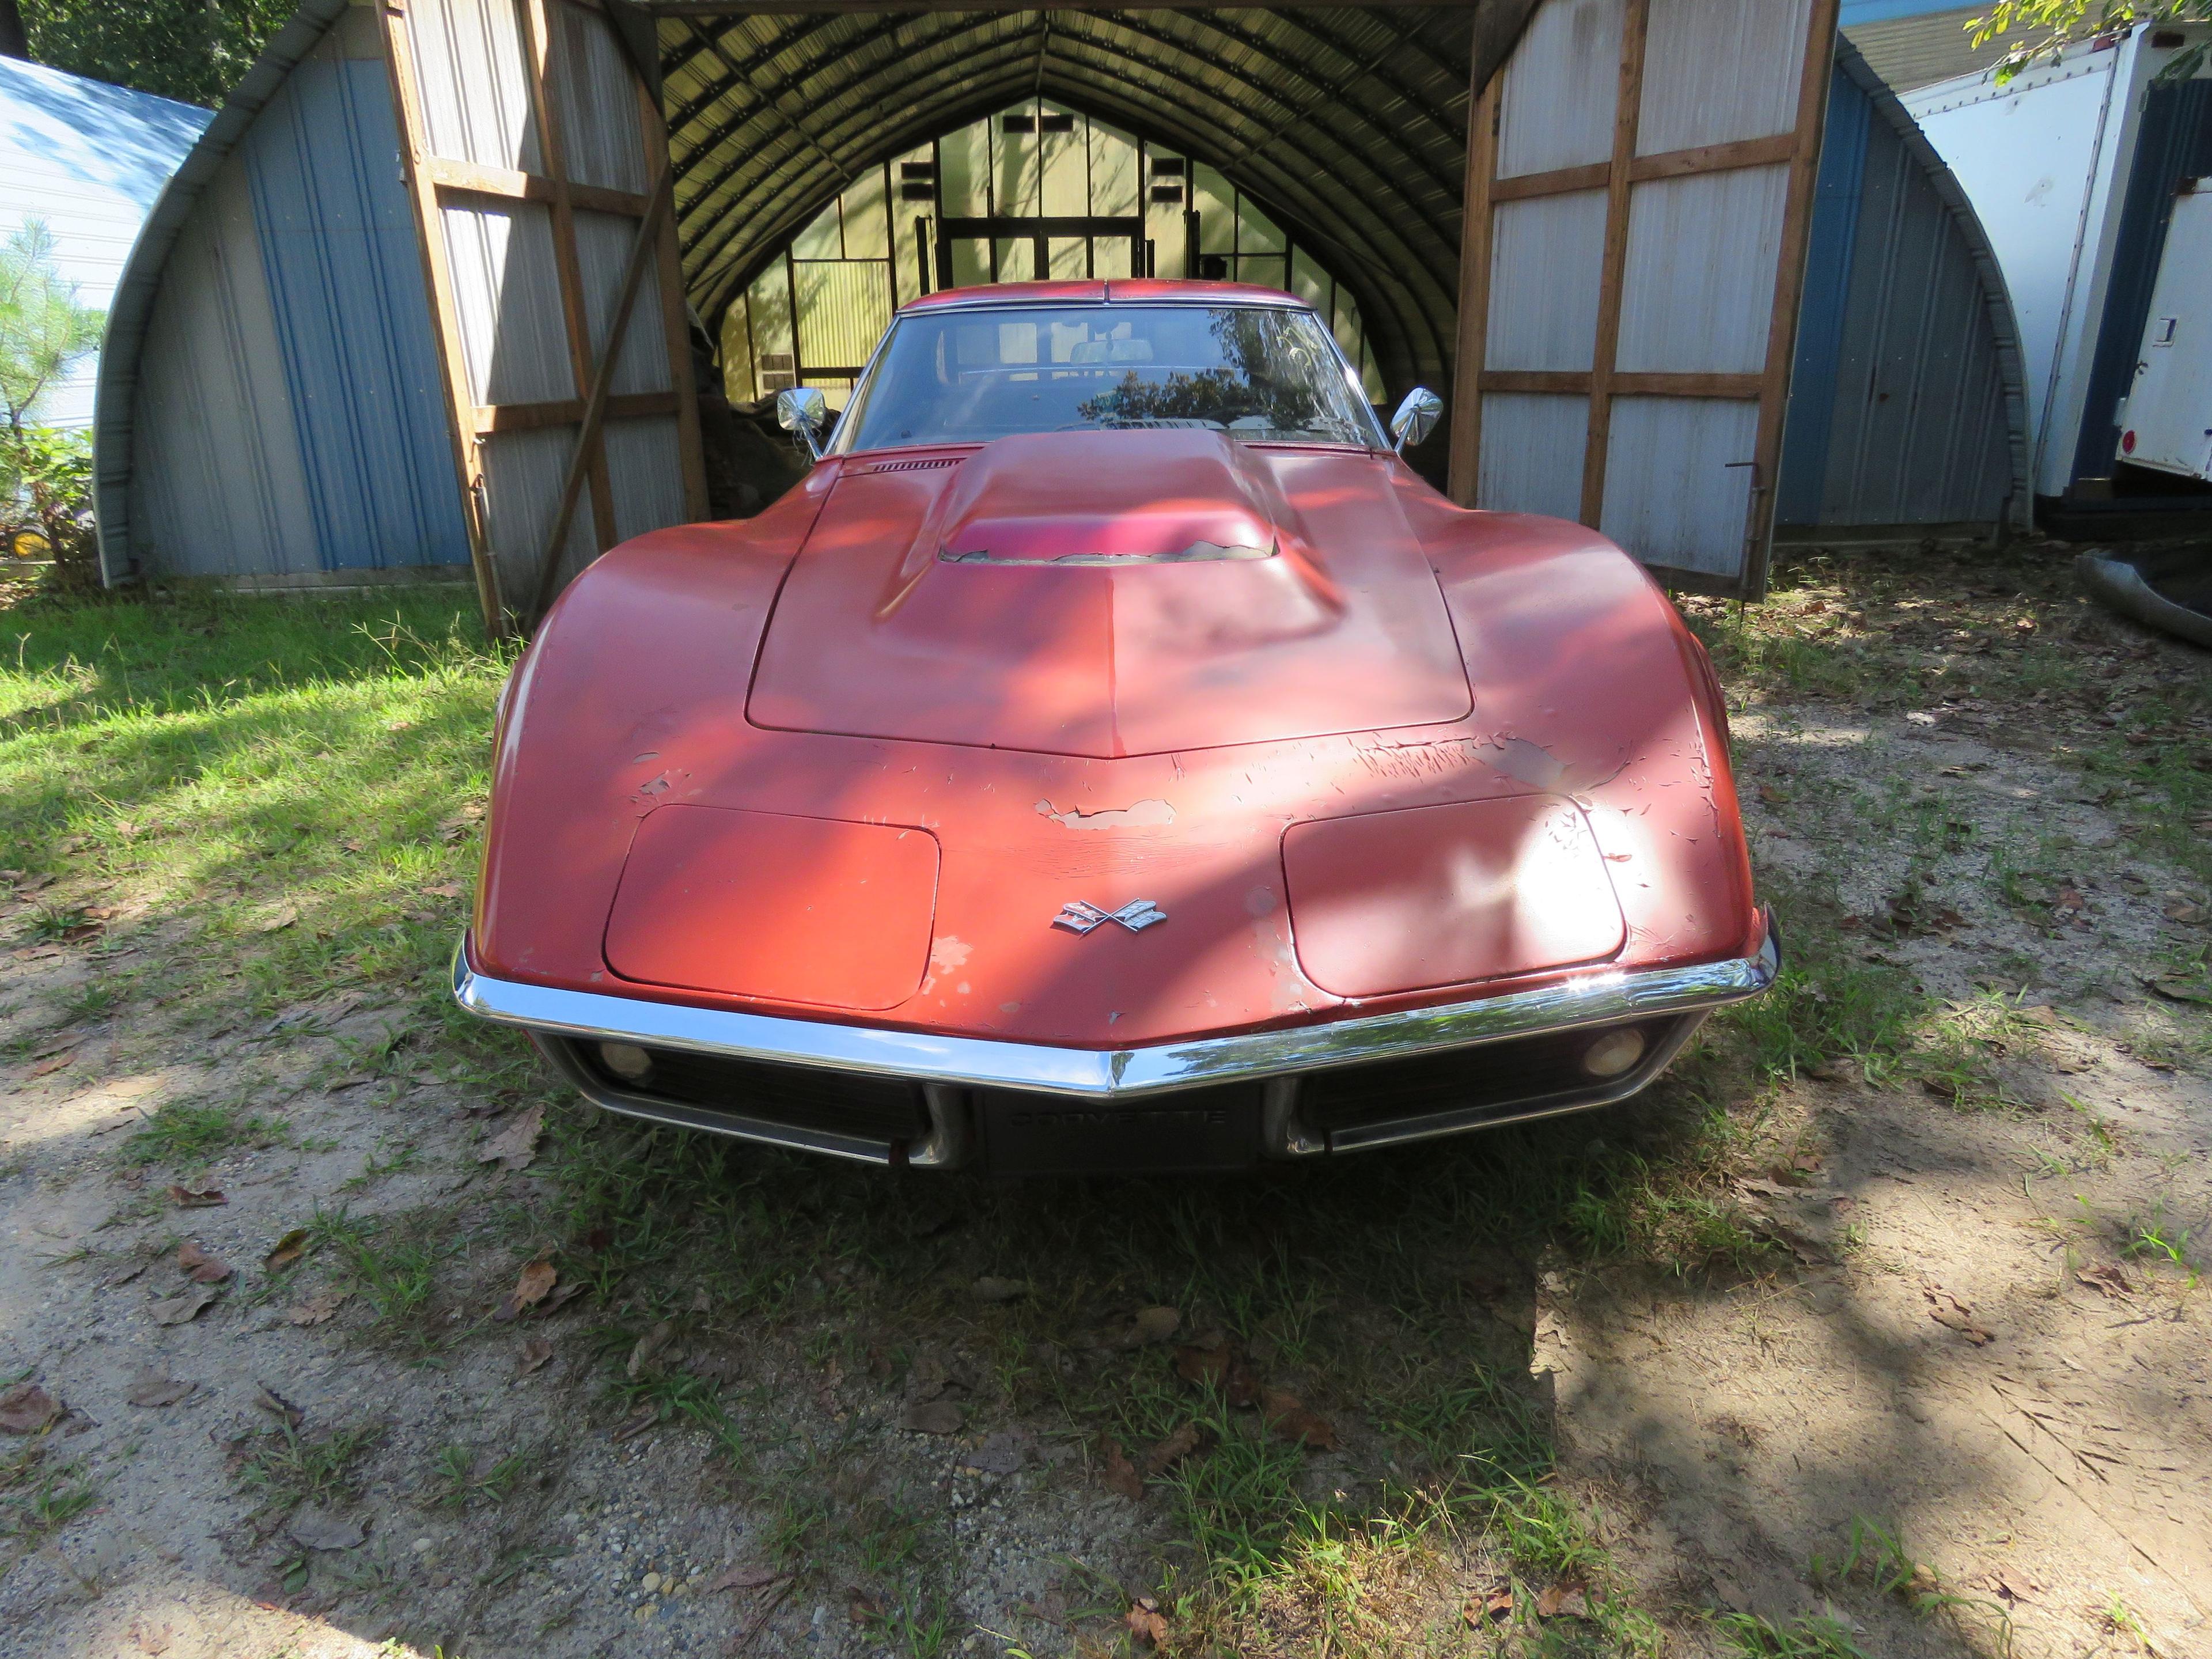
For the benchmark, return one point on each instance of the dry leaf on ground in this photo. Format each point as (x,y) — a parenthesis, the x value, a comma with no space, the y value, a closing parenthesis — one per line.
(274,921)
(1947,1310)
(1147,1625)
(1218,1365)
(319,1529)
(53,1063)
(289,1249)
(530,1289)
(657,1337)
(199,1267)
(514,1146)
(1120,1473)
(931,1417)
(1563,1600)
(197,1198)
(2106,1278)
(318,1308)
(1286,1414)
(988,1289)
(535,1353)
(645,1417)
(151,1387)
(276,1405)
(1492,1606)
(1172,1450)
(1154,1324)
(26,1408)
(183,1308)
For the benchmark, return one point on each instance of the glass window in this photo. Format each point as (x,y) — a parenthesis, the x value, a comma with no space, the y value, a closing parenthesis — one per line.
(1260,373)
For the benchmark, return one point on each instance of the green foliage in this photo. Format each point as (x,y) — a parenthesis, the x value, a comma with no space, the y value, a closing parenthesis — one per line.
(2045,28)
(194,50)
(45,475)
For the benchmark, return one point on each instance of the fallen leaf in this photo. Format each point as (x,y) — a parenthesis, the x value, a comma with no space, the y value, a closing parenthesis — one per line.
(535,1353)
(530,1289)
(1172,1450)
(988,1289)
(1947,1310)
(1489,1607)
(1154,1324)
(513,1147)
(1562,1600)
(1772,796)
(1220,1367)
(2106,1278)
(645,1417)
(444,889)
(319,1529)
(152,1389)
(26,1408)
(152,1638)
(276,920)
(657,1337)
(1147,1625)
(277,1406)
(931,1417)
(2182,910)
(2070,901)
(2010,1585)
(1120,1474)
(741,1575)
(184,1309)
(289,1248)
(199,1267)
(197,1198)
(53,1063)
(1286,1414)
(861,1608)
(317,1308)
(2175,990)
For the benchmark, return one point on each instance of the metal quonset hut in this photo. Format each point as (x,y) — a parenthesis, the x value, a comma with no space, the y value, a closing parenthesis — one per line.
(366,335)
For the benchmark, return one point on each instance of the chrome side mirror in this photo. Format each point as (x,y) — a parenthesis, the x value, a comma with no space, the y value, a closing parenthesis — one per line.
(804,412)
(1416,417)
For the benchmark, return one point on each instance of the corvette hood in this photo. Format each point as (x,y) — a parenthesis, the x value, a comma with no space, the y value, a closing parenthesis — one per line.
(1110,593)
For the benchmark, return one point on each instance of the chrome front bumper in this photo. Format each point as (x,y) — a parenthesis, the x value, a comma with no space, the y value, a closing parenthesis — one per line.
(947,1066)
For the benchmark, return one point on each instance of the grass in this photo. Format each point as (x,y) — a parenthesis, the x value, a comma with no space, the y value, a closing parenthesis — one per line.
(272,792)
(39,1495)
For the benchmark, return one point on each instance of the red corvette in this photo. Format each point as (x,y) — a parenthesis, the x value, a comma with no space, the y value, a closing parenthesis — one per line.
(1112,755)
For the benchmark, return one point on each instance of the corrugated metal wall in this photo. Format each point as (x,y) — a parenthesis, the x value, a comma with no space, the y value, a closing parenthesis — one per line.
(287,420)
(1899,411)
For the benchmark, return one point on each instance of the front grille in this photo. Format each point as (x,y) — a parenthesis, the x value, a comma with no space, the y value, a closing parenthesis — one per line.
(797,1097)
(1497,1076)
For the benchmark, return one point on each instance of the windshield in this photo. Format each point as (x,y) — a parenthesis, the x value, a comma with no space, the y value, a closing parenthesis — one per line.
(1264,375)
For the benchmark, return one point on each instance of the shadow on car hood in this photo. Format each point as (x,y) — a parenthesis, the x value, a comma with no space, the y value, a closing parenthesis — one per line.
(1110,593)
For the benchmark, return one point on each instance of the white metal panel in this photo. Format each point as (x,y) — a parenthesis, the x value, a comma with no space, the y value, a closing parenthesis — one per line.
(645,472)
(1532,453)
(2168,425)
(523,472)
(602,134)
(1719,70)
(2038,161)
(507,293)
(1545,257)
(87,160)
(603,241)
(1671,496)
(1697,293)
(217,486)
(472,71)
(1556,104)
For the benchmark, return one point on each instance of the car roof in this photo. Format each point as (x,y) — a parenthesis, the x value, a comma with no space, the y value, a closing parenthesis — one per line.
(1126,290)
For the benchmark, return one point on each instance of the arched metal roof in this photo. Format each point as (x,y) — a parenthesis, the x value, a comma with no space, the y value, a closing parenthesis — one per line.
(1348,125)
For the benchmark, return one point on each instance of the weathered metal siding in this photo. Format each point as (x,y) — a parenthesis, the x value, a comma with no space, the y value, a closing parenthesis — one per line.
(87,160)
(1906,407)
(283,419)
(345,285)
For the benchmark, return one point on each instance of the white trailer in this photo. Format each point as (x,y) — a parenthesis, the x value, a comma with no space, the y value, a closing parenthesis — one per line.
(2166,423)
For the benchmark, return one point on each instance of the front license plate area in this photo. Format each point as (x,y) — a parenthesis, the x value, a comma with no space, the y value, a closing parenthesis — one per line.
(1199,1129)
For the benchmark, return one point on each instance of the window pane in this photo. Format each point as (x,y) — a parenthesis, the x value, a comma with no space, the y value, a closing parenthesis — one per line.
(1017,259)
(866,226)
(1217,209)
(1264,269)
(821,240)
(1070,256)
(737,383)
(1113,173)
(964,170)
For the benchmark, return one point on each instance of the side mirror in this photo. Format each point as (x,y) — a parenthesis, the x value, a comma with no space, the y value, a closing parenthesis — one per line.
(1416,417)
(804,412)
